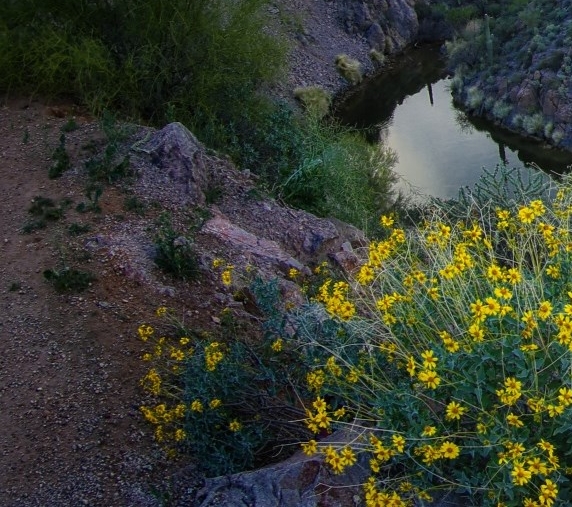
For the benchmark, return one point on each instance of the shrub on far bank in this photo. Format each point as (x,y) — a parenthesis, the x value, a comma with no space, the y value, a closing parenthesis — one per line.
(349,69)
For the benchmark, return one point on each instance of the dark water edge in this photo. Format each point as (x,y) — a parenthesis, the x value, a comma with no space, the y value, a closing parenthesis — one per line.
(440,148)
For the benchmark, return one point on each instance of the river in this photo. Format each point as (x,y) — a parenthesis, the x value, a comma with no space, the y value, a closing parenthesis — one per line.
(440,148)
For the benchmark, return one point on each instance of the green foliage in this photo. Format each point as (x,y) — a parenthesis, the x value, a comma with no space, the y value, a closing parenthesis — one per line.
(175,253)
(316,100)
(70,125)
(61,159)
(501,110)
(69,279)
(204,59)
(109,166)
(475,98)
(349,69)
(44,210)
(533,124)
(76,229)
(469,48)
(341,175)
(133,203)
(460,16)
(93,192)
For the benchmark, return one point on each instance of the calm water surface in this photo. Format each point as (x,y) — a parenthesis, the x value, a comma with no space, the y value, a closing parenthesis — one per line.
(440,149)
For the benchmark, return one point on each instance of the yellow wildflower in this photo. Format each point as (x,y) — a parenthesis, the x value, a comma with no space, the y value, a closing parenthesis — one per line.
(520,475)
(429,378)
(310,447)
(179,435)
(215,403)
(234,426)
(196,406)
(398,442)
(454,411)
(429,431)
(449,450)
(544,310)
(429,360)
(514,420)
(277,345)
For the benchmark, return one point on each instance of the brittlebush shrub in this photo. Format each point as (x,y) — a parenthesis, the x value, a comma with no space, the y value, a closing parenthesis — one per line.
(450,351)
(227,400)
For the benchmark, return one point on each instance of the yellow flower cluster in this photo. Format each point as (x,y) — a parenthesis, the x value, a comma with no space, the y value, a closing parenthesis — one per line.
(162,418)
(430,453)
(315,379)
(226,274)
(334,298)
(385,498)
(378,252)
(511,392)
(338,460)
(151,382)
(145,332)
(535,209)
(213,355)
(320,420)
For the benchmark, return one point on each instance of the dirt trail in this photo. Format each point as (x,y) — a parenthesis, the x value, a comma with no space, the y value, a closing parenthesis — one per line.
(70,429)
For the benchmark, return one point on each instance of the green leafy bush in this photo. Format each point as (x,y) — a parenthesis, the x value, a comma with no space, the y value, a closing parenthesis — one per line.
(69,279)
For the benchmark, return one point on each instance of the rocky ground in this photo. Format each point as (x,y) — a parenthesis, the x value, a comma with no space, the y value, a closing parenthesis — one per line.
(70,363)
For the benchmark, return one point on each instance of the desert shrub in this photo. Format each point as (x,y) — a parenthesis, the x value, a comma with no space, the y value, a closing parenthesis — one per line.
(108,166)
(533,124)
(69,279)
(552,61)
(475,98)
(501,110)
(349,69)
(448,351)
(316,100)
(200,60)
(61,159)
(463,52)
(460,16)
(377,57)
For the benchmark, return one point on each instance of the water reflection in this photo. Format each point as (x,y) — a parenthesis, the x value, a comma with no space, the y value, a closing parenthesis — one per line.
(440,149)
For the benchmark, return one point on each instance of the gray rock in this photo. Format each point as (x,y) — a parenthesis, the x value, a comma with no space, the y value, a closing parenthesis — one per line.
(176,152)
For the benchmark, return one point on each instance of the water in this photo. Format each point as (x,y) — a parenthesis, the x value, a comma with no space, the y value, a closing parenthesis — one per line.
(440,149)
